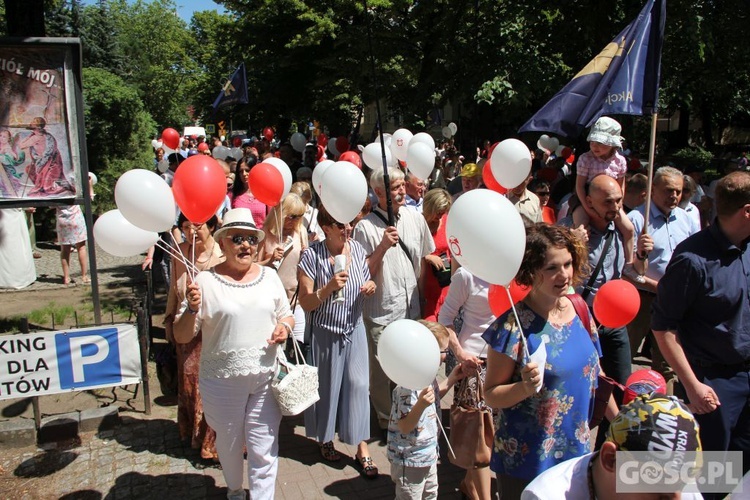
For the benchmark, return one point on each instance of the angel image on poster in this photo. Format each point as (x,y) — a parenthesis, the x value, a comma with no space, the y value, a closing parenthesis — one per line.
(34,146)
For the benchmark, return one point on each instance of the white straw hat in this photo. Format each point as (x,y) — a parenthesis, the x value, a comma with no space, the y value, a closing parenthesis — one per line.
(239,218)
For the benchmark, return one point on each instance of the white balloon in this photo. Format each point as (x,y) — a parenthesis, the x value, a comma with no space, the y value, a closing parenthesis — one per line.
(425,138)
(167,150)
(559,150)
(420,160)
(552,143)
(542,142)
(119,237)
(159,144)
(400,143)
(343,191)
(510,163)
(332,146)
(163,166)
(373,155)
(298,141)
(154,143)
(409,354)
(286,173)
(474,222)
(94,178)
(236,153)
(453,127)
(317,175)
(221,152)
(447,133)
(145,200)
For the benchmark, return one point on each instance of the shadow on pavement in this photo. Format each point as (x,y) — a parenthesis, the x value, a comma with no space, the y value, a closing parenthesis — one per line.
(137,485)
(159,437)
(45,464)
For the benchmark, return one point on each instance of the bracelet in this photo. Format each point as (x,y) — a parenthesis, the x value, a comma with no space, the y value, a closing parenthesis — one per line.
(640,256)
(288,327)
(317,295)
(191,311)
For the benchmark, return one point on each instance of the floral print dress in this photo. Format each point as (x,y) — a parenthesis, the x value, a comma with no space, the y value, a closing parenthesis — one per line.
(550,426)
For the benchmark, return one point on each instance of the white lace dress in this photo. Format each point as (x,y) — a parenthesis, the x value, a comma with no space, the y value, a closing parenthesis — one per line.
(237,320)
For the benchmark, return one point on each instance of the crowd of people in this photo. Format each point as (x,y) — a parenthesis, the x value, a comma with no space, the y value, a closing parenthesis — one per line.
(270,273)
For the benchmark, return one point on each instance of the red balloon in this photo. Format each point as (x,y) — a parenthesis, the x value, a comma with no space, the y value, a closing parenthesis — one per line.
(202,147)
(566,151)
(268,133)
(322,140)
(342,144)
(498,297)
(237,142)
(616,303)
(548,174)
(320,153)
(266,183)
(492,148)
(170,138)
(350,156)
(199,187)
(570,159)
(490,182)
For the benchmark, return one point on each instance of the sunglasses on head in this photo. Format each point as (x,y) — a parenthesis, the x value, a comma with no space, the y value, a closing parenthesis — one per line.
(237,239)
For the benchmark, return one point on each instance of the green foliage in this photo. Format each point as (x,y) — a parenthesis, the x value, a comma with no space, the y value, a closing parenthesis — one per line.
(118,131)
(695,156)
(51,314)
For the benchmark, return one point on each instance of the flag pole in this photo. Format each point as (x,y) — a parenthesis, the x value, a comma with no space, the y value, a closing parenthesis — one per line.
(386,179)
(651,154)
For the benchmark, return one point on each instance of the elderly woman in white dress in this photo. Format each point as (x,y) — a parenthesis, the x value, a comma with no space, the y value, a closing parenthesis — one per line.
(243,312)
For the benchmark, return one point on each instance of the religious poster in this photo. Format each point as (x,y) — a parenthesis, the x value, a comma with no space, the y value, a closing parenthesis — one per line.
(39,132)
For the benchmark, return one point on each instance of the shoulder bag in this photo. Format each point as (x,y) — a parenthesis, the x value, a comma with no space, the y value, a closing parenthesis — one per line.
(472,430)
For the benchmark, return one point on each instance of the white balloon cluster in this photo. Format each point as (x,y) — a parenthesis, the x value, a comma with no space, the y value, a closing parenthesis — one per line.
(145,207)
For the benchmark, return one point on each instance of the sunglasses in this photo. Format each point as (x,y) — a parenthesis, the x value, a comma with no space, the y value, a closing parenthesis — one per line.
(542,193)
(237,239)
(342,226)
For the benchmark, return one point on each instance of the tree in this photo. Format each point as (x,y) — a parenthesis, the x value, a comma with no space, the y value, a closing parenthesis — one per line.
(117,130)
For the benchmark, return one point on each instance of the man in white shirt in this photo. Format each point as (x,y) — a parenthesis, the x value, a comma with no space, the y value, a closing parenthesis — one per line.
(526,202)
(650,422)
(415,188)
(396,258)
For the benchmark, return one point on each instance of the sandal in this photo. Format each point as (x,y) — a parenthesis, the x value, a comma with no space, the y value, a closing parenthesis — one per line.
(369,469)
(329,452)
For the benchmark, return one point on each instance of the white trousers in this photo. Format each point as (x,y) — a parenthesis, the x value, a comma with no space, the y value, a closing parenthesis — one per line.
(243,412)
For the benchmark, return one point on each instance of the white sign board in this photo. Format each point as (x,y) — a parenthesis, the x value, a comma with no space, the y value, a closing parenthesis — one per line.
(36,364)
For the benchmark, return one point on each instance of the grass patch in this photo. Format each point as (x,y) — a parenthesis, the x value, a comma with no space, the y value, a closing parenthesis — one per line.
(51,314)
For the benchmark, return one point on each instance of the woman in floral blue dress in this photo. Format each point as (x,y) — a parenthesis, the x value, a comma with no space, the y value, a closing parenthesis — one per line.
(537,430)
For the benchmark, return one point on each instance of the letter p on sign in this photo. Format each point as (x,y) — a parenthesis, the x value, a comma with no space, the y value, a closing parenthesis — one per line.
(88,358)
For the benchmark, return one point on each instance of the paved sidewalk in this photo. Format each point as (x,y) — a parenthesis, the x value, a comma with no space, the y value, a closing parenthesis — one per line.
(144,458)
(121,271)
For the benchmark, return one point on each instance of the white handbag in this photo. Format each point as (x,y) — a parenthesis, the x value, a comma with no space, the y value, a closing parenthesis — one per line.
(295,387)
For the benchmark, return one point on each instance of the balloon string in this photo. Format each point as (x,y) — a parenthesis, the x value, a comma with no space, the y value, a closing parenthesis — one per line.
(447,441)
(518,323)
(170,250)
(192,258)
(183,258)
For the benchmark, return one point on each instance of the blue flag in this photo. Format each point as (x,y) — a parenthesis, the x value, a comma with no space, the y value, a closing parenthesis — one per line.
(622,79)
(234,91)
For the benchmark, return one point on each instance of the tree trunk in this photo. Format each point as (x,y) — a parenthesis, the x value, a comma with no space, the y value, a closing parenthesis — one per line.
(25,17)
(682,137)
(707,125)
